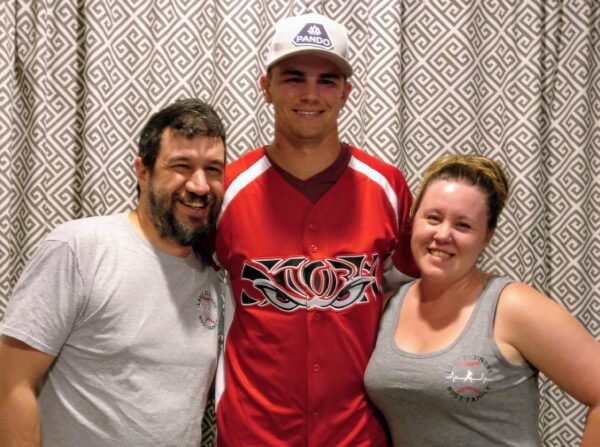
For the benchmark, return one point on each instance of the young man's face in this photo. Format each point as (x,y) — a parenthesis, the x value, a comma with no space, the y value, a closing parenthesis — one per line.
(183,193)
(307,93)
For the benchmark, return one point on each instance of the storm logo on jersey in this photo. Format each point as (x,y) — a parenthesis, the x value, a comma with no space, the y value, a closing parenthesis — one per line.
(299,282)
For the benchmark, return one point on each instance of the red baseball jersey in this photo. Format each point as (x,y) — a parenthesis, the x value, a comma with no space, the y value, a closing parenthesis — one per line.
(306,283)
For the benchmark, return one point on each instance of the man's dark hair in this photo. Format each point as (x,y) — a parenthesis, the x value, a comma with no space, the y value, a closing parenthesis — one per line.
(187,117)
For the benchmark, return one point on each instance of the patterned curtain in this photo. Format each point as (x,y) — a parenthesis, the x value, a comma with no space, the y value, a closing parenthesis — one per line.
(518,80)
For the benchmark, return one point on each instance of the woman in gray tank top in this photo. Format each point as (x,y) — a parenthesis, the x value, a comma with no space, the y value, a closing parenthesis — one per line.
(459,350)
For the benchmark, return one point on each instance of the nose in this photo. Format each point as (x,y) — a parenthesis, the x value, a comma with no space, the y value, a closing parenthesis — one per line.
(197,183)
(310,91)
(443,233)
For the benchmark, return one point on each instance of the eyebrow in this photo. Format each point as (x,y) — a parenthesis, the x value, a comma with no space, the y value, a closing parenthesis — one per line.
(293,72)
(186,159)
(177,159)
(330,76)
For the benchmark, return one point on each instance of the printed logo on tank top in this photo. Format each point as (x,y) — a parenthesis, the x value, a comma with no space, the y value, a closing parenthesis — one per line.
(207,310)
(469,378)
(299,282)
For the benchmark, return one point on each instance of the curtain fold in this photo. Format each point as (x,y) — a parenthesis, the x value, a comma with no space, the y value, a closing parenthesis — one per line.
(517,80)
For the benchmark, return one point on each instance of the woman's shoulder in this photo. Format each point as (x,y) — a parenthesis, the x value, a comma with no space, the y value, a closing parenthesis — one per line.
(519,295)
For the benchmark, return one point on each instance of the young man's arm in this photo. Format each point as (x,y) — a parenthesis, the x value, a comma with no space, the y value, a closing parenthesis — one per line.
(21,369)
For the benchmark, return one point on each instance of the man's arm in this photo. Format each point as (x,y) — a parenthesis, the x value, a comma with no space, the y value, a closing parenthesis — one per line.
(21,368)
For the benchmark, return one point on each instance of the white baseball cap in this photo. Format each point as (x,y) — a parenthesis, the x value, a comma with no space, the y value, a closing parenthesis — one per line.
(310,34)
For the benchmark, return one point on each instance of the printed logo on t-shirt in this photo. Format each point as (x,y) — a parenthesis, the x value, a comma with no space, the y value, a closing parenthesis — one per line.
(469,378)
(207,310)
(299,283)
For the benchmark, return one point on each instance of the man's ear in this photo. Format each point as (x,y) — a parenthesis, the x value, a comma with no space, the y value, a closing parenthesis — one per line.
(346,91)
(264,81)
(141,173)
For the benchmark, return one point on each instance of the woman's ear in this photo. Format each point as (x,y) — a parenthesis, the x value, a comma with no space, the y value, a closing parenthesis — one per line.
(489,236)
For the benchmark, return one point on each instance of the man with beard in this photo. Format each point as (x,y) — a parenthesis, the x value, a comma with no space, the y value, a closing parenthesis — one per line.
(120,311)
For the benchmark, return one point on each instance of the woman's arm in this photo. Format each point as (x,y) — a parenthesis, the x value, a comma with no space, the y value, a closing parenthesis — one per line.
(553,341)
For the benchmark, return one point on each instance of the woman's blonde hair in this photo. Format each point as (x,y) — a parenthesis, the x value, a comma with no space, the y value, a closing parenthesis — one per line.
(475,170)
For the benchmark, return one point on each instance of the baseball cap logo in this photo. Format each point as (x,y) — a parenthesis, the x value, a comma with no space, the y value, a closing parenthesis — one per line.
(313,35)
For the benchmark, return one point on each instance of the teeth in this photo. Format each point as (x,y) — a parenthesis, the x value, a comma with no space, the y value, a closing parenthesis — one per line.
(439,254)
(307,113)
(195,204)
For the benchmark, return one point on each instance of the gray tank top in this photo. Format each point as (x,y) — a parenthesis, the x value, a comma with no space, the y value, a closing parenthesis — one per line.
(465,395)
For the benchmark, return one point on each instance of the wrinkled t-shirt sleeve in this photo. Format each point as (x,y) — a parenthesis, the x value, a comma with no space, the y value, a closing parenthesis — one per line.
(47,300)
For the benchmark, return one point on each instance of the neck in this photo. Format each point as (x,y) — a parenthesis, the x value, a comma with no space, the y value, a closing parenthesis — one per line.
(304,159)
(434,291)
(142,223)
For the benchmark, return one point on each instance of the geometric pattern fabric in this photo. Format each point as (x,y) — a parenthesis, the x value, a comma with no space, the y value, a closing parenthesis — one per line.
(517,80)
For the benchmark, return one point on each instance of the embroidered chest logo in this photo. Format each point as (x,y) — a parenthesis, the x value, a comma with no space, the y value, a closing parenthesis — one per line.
(207,310)
(313,35)
(299,282)
(469,378)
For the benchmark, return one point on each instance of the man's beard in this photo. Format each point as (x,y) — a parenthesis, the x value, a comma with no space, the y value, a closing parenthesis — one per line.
(161,209)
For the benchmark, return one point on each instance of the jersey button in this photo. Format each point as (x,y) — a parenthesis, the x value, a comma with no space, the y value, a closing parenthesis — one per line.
(312,227)
(316,368)
(317,316)
(314,248)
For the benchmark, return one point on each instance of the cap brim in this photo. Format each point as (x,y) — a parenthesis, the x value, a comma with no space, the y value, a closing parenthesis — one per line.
(340,62)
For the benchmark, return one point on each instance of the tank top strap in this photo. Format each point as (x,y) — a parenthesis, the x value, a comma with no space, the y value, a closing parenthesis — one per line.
(391,313)
(488,303)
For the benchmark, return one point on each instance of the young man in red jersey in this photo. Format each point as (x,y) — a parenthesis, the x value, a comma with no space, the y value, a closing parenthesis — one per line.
(313,233)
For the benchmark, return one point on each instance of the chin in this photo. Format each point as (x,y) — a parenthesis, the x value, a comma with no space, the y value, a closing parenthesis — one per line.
(430,272)
(192,221)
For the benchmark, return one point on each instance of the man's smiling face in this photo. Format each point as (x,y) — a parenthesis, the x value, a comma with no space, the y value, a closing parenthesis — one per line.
(184,191)
(307,93)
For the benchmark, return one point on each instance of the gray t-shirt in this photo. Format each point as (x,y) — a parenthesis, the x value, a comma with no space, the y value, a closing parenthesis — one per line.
(134,332)
(465,395)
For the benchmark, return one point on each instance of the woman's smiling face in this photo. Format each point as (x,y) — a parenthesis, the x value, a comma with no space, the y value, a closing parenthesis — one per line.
(450,230)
